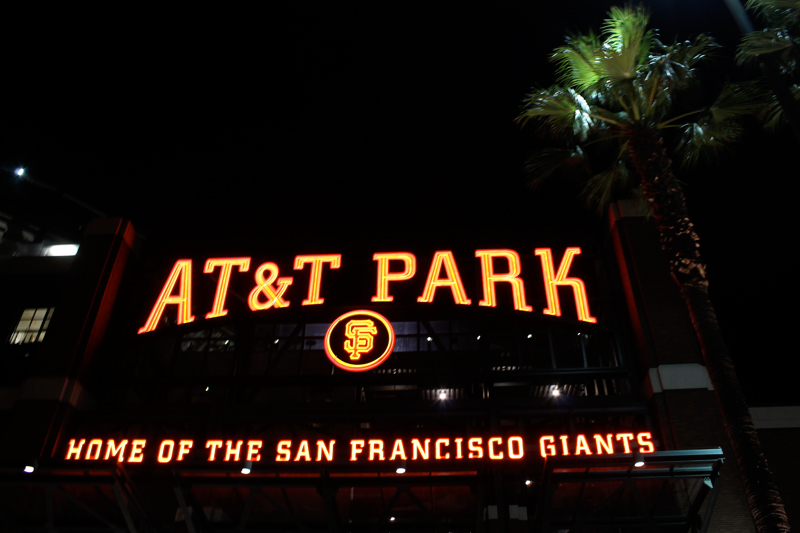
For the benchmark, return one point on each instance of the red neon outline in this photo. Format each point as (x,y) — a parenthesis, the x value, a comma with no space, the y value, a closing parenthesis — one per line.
(560,278)
(384,276)
(376,448)
(315,276)
(356,447)
(344,365)
(284,451)
(321,449)
(547,449)
(253,449)
(444,259)
(73,451)
(227,264)
(229,452)
(492,454)
(303,451)
(213,445)
(489,278)
(137,450)
(183,448)
(626,439)
(582,444)
(99,443)
(398,450)
(511,454)
(264,286)
(606,444)
(477,448)
(183,270)
(116,451)
(438,450)
(650,447)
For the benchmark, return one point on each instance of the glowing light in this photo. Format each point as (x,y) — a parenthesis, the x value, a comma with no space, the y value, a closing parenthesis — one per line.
(490,278)
(213,446)
(264,286)
(19,171)
(253,447)
(625,438)
(442,395)
(560,279)
(360,337)
(61,250)
(527,481)
(231,452)
(492,453)
(444,259)
(182,275)
(116,451)
(385,276)
(556,392)
(28,469)
(315,276)
(401,470)
(183,448)
(245,470)
(226,264)
(137,450)
(165,451)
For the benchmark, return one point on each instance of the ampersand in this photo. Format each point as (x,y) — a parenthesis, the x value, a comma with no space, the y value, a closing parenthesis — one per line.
(264,286)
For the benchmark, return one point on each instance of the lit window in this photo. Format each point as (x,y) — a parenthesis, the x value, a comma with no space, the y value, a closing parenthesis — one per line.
(32,325)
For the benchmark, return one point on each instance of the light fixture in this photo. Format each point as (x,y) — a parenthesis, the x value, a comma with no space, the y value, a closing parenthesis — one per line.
(248,467)
(61,250)
(19,171)
(479,337)
(206,389)
(556,392)
(442,395)
(276,341)
(638,460)
(429,339)
(401,468)
(391,519)
(530,335)
(29,469)
(527,481)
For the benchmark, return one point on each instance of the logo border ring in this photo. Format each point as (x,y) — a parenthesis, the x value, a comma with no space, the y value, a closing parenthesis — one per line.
(369,366)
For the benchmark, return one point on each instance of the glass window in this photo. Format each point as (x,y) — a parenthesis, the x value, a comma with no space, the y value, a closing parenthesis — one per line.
(32,325)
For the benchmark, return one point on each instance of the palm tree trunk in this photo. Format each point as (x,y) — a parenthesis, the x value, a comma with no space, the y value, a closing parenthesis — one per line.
(681,243)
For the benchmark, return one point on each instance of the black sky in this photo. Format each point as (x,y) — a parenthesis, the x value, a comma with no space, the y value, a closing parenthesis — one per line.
(225,124)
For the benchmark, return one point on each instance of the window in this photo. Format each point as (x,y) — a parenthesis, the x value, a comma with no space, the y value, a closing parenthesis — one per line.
(32,325)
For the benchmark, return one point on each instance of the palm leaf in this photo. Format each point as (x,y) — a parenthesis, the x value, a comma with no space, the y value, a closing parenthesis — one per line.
(739,99)
(562,112)
(577,62)
(542,164)
(706,139)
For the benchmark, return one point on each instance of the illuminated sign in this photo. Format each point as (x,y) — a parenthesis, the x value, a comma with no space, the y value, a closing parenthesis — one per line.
(498,268)
(359,341)
(497,448)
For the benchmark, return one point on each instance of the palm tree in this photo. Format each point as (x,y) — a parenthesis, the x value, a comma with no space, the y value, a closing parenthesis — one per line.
(626,85)
(776,49)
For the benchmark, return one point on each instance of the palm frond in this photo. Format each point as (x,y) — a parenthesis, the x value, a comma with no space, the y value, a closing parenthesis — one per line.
(777,12)
(776,42)
(602,188)
(563,112)
(739,99)
(544,163)
(773,112)
(706,139)
(577,62)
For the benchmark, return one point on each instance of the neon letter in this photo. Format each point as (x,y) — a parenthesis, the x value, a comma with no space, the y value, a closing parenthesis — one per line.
(475,450)
(264,286)
(94,442)
(398,451)
(73,450)
(284,451)
(453,279)
(644,440)
(384,276)
(181,271)
(116,451)
(490,278)
(183,448)
(581,444)
(229,452)
(417,449)
(439,443)
(564,444)
(327,451)
(137,448)
(214,445)
(492,454)
(547,445)
(253,447)
(315,278)
(551,282)
(625,438)
(356,447)
(511,453)
(302,451)
(607,444)
(166,457)
(227,263)
(376,448)
(459,455)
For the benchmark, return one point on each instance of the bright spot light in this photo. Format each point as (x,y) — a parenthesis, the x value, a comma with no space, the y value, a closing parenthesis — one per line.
(429,339)
(19,172)
(61,250)
(442,395)
(527,481)
(401,470)
(28,469)
(556,392)
(479,337)
(206,389)
(638,464)
(245,470)
(391,519)
(530,335)
(276,341)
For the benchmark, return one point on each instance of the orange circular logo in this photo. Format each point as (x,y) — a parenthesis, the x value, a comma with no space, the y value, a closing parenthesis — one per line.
(359,340)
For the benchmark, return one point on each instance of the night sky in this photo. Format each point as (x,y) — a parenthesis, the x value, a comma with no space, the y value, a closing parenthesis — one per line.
(291,123)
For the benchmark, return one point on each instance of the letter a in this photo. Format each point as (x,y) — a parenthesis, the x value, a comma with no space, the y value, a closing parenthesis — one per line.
(182,275)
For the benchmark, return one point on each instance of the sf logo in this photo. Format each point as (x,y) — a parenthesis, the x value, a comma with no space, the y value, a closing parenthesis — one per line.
(359,340)
(360,337)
